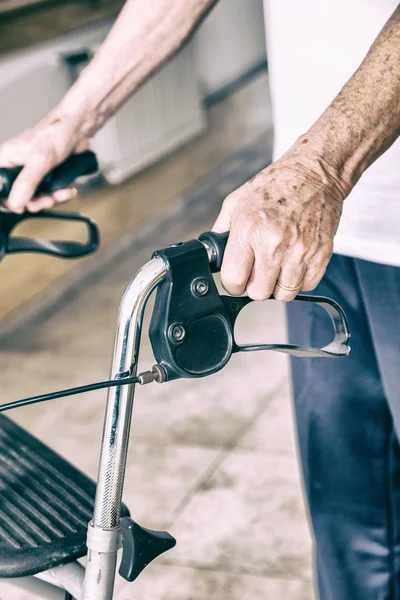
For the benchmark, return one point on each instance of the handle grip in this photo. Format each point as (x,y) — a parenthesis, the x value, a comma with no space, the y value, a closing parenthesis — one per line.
(215,244)
(76,165)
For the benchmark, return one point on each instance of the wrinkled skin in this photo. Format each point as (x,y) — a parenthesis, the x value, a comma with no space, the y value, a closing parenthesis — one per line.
(282,224)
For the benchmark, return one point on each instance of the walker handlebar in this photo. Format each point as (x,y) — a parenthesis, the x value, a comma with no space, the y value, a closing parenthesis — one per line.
(76,165)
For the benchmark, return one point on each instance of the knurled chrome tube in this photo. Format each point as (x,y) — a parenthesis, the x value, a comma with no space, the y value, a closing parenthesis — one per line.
(120,399)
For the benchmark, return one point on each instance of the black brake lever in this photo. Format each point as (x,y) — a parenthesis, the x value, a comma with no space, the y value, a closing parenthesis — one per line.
(337,348)
(62,249)
(64,174)
(192,326)
(215,244)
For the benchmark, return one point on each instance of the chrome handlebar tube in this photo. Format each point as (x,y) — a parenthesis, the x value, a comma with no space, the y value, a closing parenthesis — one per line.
(103,532)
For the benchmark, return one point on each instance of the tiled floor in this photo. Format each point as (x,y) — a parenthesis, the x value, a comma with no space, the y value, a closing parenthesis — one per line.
(212,461)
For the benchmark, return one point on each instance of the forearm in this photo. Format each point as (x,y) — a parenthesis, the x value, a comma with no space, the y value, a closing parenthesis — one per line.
(144,36)
(364,119)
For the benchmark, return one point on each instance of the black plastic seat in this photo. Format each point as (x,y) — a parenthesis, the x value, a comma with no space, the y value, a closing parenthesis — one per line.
(45,505)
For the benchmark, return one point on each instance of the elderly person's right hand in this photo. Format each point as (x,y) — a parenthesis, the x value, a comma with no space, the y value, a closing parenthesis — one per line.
(39,150)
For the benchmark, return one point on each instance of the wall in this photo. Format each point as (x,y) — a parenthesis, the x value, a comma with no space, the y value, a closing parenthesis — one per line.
(228,44)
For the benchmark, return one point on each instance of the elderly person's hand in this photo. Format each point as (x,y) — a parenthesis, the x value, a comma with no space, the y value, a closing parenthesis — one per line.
(282,224)
(39,150)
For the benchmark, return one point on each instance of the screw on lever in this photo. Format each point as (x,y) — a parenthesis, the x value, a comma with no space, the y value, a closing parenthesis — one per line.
(140,546)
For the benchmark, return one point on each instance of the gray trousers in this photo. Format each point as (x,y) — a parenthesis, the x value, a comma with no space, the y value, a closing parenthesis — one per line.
(348,419)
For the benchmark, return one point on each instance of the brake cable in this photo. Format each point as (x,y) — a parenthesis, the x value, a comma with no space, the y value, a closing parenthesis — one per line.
(156,374)
(71,392)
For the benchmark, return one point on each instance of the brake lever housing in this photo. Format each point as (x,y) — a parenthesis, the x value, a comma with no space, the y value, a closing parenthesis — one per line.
(190,331)
(192,326)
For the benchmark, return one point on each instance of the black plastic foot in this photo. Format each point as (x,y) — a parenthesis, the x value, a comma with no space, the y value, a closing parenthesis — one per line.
(140,546)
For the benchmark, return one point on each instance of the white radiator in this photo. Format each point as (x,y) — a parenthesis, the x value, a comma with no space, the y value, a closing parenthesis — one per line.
(165,113)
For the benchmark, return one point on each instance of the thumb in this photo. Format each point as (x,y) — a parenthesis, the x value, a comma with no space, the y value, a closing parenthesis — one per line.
(24,187)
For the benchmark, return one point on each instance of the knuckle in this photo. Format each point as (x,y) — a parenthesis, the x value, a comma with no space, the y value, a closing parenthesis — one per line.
(325,253)
(274,239)
(319,262)
(326,256)
(313,273)
(229,201)
(234,290)
(233,283)
(277,242)
(273,255)
(300,250)
(256,230)
(318,267)
(310,285)
(313,277)
(257,293)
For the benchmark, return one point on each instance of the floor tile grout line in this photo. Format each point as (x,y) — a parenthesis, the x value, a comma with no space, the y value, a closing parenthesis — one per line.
(224,453)
(141,441)
(237,570)
(235,440)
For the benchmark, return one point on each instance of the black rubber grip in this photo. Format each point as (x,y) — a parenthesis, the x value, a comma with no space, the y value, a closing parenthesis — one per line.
(217,244)
(76,165)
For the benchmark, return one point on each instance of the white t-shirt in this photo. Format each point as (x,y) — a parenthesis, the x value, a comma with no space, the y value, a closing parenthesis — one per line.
(314,47)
